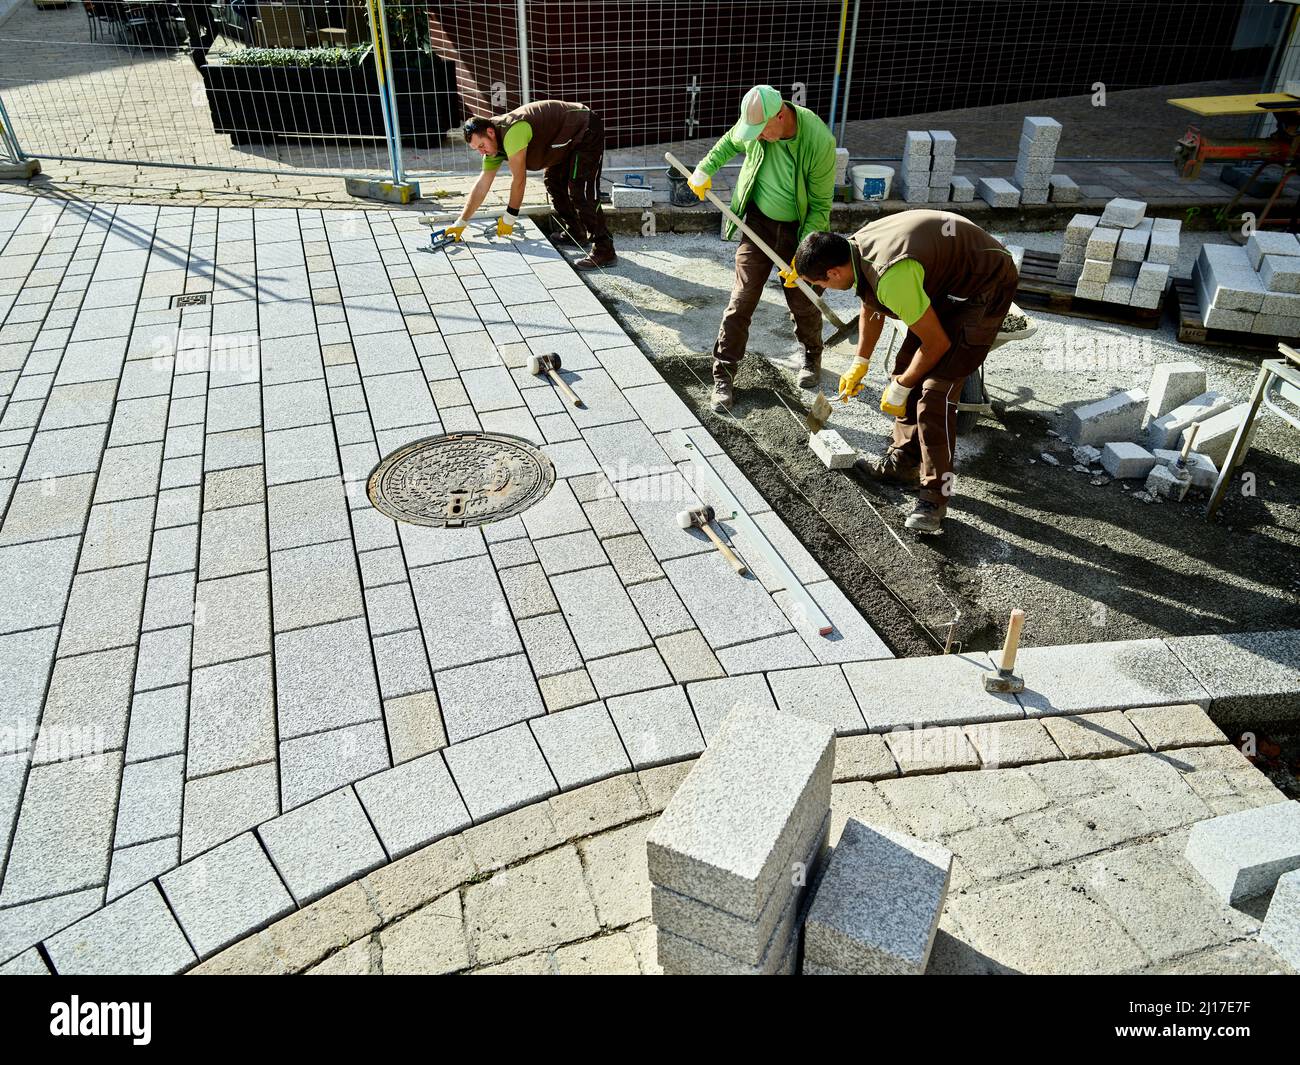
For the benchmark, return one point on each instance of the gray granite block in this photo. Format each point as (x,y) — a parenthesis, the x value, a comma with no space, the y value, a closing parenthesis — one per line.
(325,678)
(820,693)
(133,866)
(877,907)
(1172,385)
(232,716)
(1123,213)
(1122,459)
(1281,929)
(1082,678)
(600,614)
(726,834)
(134,936)
(25,925)
(232,618)
(322,845)
(998,192)
(1251,677)
(581,745)
(85,707)
(219,807)
(628,672)
(64,830)
(528,591)
(657,726)
(460,628)
(726,607)
(413,804)
(1117,417)
(654,502)
(1164,431)
(713,700)
(489,695)
(233,541)
(500,771)
(767,936)
(936,690)
(25,659)
(683,957)
(1263,243)
(314,585)
(307,512)
(320,762)
(149,805)
(402,664)
(1132,244)
(226,894)
(1241,855)
(660,608)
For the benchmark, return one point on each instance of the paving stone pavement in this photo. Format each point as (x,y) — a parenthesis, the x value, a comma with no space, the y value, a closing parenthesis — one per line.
(1090,847)
(208,629)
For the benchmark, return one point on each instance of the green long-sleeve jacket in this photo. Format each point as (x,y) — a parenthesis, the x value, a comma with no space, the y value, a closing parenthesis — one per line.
(814,171)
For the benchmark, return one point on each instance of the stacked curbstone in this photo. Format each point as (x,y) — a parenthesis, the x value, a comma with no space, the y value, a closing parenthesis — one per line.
(914,178)
(876,910)
(1039,138)
(1253,289)
(733,853)
(1120,257)
(943,160)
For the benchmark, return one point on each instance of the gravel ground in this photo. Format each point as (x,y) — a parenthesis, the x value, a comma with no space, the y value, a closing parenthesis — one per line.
(1086,562)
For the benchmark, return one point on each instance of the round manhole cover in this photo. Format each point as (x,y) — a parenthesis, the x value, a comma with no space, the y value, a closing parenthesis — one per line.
(460,479)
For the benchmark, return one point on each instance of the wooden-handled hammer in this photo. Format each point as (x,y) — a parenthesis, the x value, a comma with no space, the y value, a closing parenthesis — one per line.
(550,364)
(1004,679)
(702,518)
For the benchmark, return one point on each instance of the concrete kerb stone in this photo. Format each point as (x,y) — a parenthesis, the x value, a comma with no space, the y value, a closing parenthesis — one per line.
(1167,728)
(1251,678)
(877,907)
(1242,855)
(1172,385)
(1281,929)
(1123,460)
(1163,432)
(1116,675)
(1117,417)
(725,836)
(1123,213)
(1217,432)
(936,690)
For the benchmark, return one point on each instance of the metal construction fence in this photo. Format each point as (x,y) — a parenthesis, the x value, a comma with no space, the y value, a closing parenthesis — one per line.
(380,87)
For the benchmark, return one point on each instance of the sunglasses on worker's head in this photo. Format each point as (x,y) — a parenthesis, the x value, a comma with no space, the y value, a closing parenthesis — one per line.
(475,125)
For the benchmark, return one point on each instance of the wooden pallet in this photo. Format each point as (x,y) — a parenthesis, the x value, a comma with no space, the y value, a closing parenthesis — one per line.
(1039,289)
(1192,330)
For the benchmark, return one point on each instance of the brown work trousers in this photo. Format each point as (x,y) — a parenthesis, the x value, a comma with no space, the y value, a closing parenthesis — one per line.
(574,187)
(753,268)
(926,434)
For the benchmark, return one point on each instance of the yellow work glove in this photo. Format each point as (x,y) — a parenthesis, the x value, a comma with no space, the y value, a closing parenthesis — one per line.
(893,400)
(456,232)
(790,276)
(851,382)
(700,183)
(505,226)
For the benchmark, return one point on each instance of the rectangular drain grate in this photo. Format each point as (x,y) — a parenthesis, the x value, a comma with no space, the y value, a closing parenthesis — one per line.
(193,299)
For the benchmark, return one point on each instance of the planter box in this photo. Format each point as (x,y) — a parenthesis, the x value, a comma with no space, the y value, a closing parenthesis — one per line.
(261,104)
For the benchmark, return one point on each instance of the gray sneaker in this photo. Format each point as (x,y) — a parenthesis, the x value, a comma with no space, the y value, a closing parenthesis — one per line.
(926,517)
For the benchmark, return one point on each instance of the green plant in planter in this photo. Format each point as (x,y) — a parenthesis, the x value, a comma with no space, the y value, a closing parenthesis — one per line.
(297,57)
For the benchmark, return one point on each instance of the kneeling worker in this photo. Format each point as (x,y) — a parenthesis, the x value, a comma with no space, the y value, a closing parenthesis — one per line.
(565,140)
(783,192)
(951,284)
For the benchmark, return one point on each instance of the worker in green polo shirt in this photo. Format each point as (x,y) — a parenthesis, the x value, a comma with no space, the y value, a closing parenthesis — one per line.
(951,284)
(567,142)
(784,192)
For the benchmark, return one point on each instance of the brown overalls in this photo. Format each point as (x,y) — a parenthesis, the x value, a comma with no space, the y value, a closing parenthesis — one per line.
(971,281)
(569,145)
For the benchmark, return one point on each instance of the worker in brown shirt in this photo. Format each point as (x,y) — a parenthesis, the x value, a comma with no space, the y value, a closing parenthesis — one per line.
(951,284)
(567,142)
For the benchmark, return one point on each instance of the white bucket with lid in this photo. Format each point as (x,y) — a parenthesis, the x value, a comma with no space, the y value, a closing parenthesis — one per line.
(871,181)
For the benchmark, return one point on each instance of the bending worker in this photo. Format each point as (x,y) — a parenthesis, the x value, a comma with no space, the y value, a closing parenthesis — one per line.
(783,193)
(565,140)
(951,284)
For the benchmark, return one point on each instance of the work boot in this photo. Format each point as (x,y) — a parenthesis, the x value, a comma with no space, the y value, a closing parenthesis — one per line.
(599,256)
(926,517)
(889,468)
(569,235)
(724,389)
(810,376)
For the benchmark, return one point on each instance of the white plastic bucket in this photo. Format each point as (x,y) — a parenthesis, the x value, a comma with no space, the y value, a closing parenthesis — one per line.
(871,182)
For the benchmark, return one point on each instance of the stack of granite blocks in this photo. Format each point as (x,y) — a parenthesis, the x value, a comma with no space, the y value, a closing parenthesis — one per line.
(1039,138)
(929,158)
(1120,256)
(943,160)
(914,178)
(1253,289)
(877,908)
(734,853)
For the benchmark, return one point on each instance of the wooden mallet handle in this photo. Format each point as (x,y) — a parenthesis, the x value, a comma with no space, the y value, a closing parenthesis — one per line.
(563,386)
(1012,641)
(727,553)
(1191,439)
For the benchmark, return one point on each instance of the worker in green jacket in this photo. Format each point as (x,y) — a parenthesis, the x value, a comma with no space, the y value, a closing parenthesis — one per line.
(783,193)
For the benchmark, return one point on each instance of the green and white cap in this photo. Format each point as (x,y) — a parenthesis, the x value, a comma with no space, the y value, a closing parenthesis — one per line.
(760,104)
